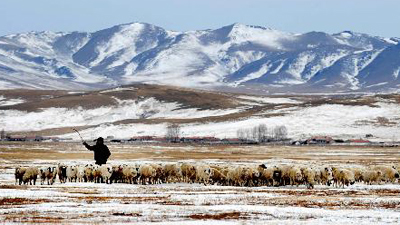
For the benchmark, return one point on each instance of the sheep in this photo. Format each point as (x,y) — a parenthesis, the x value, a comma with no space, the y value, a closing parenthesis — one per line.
(308,177)
(129,174)
(335,175)
(62,173)
(105,172)
(266,175)
(49,174)
(42,175)
(30,175)
(348,178)
(117,174)
(203,174)
(71,173)
(217,176)
(188,172)
(233,176)
(159,174)
(389,174)
(372,176)
(295,176)
(172,173)
(326,176)
(80,173)
(101,174)
(88,173)
(250,175)
(238,176)
(358,172)
(285,175)
(344,177)
(146,173)
(19,173)
(277,176)
(96,174)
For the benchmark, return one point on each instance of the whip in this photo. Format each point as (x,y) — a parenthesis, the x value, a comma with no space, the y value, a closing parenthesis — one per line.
(78,134)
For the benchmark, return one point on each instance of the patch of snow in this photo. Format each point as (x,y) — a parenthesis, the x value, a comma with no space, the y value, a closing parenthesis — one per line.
(390,41)
(277,69)
(119,89)
(263,70)
(396,73)
(376,85)
(269,100)
(296,69)
(8,102)
(13,120)
(267,37)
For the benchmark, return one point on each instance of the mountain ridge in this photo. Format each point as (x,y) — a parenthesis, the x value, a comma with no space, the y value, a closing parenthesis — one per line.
(235,55)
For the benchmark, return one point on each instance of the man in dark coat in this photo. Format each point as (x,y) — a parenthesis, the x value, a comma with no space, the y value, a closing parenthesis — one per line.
(101,151)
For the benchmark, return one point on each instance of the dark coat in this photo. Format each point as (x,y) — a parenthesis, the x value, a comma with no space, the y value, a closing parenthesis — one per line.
(101,152)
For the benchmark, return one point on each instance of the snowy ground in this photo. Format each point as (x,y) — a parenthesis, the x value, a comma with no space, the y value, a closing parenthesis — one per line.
(341,121)
(194,203)
(342,117)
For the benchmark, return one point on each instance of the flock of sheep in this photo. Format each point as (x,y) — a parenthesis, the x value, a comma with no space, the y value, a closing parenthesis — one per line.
(257,175)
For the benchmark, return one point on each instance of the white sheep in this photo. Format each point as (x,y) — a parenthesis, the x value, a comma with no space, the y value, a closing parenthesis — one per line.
(203,174)
(389,173)
(80,173)
(188,172)
(146,173)
(295,176)
(71,173)
(308,176)
(172,173)
(30,175)
(129,174)
(372,176)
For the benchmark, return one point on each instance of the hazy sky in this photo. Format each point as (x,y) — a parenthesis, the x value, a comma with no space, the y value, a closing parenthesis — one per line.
(377,17)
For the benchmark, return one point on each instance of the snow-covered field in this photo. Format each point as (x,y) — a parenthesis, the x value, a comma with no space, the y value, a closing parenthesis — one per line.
(182,203)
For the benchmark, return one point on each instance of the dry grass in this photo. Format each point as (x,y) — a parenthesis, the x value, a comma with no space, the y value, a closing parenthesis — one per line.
(183,198)
(21,201)
(220,216)
(176,152)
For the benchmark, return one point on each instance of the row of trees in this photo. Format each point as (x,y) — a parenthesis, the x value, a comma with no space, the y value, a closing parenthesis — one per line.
(262,133)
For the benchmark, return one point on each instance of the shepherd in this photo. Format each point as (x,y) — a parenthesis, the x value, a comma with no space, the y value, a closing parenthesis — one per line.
(101,151)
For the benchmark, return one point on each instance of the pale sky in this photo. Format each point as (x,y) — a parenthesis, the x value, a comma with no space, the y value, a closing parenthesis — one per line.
(376,17)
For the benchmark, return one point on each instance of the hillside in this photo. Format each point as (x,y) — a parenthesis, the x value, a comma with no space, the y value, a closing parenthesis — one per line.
(140,109)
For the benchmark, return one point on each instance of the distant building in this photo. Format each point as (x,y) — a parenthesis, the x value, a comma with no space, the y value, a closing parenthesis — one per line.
(16,138)
(319,140)
(359,142)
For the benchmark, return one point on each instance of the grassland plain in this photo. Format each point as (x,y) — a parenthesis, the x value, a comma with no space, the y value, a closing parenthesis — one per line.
(181,203)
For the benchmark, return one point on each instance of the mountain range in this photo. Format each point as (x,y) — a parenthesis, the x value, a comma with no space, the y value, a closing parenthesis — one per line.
(233,57)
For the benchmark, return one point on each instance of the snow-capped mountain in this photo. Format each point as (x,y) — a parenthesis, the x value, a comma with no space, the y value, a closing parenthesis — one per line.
(233,56)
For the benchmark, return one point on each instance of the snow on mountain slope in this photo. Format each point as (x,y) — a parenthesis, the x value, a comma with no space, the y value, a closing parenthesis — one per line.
(234,55)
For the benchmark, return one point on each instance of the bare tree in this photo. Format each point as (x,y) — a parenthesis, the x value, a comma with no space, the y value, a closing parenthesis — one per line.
(241,134)
(254,134)
(280,132)
(173,132)
(2,135)
(262,132)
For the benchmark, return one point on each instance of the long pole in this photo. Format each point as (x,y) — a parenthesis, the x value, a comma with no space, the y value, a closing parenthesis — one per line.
(78,134)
